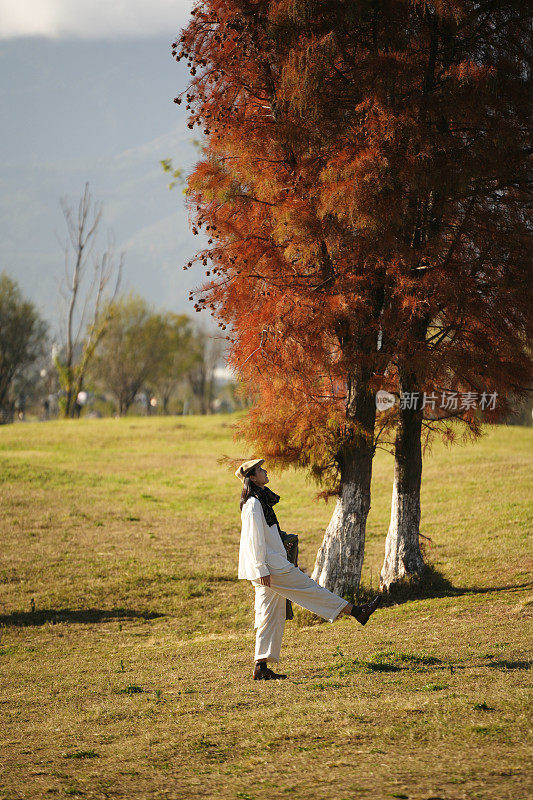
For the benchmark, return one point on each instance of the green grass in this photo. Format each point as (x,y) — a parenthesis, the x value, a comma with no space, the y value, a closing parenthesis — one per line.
(126,643)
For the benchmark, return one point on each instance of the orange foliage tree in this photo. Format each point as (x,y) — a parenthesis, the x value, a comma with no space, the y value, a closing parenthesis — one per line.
(362,188)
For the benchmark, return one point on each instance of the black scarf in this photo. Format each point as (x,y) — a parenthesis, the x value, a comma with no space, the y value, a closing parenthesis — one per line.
(267,498)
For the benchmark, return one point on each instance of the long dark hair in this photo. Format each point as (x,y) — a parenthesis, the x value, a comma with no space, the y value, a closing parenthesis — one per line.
(247,488)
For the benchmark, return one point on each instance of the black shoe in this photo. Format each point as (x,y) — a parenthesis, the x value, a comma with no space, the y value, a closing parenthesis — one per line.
(263,673)
(363,613)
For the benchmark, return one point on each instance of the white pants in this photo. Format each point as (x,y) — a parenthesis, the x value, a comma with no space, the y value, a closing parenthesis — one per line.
(270,607)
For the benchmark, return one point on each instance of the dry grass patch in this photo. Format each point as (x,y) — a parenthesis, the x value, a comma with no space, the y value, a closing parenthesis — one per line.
(127,641)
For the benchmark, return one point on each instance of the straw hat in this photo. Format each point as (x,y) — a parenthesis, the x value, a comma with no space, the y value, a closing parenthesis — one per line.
(246,466)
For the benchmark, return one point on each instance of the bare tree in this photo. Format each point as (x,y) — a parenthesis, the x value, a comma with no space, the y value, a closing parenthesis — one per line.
(87,276)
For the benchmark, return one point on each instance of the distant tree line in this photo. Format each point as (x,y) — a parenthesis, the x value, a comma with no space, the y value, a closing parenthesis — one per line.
(144,361)
(160,356)
(112,354)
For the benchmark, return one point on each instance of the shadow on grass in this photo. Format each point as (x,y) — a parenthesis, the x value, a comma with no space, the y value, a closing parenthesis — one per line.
(505,665)
(430,583)
(86,615)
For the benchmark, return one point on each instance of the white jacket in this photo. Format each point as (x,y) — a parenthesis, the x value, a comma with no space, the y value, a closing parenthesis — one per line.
(261,550)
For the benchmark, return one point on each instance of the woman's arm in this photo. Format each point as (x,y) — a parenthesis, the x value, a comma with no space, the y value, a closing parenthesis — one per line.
(257,543)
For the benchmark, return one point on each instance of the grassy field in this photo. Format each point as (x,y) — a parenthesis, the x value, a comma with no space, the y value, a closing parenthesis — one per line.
(127,641)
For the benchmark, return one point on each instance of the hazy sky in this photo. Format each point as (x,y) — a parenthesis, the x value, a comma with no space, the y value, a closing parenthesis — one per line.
(86,89)
(91,18)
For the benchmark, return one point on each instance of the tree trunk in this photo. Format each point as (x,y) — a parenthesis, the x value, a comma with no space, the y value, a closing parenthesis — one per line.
(339,560)
(402,549)
(69,403)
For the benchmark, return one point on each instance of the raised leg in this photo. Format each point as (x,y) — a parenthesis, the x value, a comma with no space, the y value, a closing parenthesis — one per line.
(295,585)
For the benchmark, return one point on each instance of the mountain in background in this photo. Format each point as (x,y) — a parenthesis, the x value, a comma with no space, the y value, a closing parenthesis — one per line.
(102,112)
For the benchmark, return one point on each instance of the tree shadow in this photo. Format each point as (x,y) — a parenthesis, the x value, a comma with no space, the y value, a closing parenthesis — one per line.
(488,589)
(505,665)
(86,615)
(431,583)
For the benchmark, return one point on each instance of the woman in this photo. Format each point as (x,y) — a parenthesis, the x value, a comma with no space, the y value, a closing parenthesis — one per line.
(263,561)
